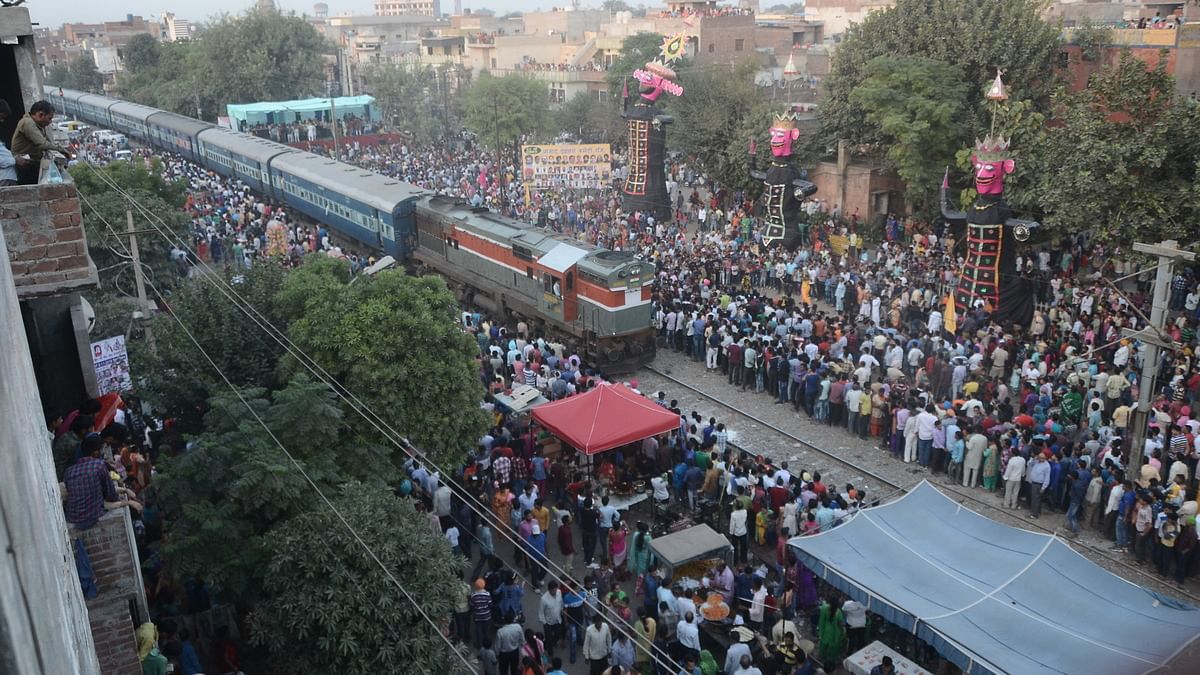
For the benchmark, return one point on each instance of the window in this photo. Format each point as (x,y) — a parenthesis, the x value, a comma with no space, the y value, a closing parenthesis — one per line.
(522,252)
(710,48)
(570,280)
(739,44)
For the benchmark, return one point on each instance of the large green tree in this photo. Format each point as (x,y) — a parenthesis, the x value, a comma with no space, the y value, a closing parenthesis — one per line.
(222,496)
(1120,159)
(184,381)
(917,104)
(394,340)
(81,74)
(141,53)
(502,110)
(717,116)
(406,99)
(977,37)
(329,608)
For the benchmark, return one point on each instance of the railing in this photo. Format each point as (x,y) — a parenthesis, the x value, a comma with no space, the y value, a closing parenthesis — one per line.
(1133,37)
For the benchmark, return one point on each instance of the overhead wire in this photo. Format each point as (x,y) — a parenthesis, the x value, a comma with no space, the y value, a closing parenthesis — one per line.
(374,419)
(299,467)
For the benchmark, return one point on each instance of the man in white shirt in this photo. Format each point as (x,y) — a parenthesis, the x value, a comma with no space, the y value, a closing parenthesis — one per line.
(926,420)
(739,650)
(1014,473)
(856,624)
(688,633)
(659,485)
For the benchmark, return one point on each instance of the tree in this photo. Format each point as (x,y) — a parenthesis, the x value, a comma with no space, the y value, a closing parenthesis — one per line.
(404,97)
(501,110)
(917,104)
(234,485)
(1121,159)
(104,207)
(978,37)
(715,119)
(141,53)
(571,118)
(393,340)
(84,76)
(636,51)
(331,609)
(183,380)
(59,75)
(258,56)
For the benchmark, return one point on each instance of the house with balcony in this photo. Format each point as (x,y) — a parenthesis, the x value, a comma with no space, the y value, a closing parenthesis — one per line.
(46,368)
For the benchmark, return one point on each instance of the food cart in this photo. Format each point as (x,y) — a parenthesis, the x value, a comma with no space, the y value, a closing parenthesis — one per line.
(696,543)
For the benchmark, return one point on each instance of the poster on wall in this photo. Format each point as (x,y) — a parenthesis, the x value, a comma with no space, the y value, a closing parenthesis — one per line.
(111,362)
(580,166)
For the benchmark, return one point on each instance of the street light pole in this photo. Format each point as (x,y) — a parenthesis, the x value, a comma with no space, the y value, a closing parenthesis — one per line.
(499,151)
(333,118)
(1152,335)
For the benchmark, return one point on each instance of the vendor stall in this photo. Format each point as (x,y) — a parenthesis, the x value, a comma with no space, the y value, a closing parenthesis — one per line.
(867,659)
(698,543)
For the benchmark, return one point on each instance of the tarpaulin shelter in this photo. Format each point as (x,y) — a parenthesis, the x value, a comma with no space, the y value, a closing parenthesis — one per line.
(997,599)
(277,112)
(604,418)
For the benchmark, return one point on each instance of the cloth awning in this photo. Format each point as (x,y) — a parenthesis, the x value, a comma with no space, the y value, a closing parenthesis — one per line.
(997,599)
(256,113)
(562,257)
(694,543)
(604,418)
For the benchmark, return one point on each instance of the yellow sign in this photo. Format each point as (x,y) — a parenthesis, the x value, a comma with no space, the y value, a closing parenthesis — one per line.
(586,166)
(1189,35)
(839,244)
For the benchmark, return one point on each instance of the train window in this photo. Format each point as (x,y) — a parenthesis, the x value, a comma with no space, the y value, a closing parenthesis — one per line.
(570,280)
(529,272)
(455,243)
(522,252)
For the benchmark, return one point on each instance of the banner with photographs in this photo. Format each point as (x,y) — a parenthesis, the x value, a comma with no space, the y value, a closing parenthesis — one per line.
(579,166)
(111,362)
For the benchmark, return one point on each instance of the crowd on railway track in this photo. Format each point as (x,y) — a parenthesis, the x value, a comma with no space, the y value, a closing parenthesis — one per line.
(857,339)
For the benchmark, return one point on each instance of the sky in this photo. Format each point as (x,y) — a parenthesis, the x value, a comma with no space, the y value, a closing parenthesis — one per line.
(53,13)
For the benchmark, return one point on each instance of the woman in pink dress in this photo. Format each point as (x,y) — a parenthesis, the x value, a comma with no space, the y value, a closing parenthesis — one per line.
(617,548)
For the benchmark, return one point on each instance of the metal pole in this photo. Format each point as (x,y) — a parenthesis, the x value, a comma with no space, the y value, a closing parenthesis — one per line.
(337,154)
(1140,418)
(139,281)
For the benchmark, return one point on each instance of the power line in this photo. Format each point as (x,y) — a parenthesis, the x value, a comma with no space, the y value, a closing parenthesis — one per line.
(373,418)
(325,499)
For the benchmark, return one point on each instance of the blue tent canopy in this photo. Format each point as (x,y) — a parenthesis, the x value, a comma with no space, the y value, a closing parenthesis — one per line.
(268,112)
(998,599)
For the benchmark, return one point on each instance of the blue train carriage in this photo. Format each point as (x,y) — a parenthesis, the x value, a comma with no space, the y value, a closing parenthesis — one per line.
(176,133)
(65,101)
(131,119)
(94,109)
(240,156)
(361,205)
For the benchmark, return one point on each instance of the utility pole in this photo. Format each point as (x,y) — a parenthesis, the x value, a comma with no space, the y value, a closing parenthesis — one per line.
(1168,253)
(139,281)
(337,154)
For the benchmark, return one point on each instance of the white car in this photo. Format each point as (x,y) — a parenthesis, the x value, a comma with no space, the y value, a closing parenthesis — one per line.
(110,138)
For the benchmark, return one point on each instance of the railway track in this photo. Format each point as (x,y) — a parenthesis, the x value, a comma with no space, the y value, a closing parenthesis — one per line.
(964,496)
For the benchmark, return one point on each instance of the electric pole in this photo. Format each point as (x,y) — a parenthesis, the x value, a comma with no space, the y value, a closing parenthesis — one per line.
(139,281)
(337,155)
(1154,338)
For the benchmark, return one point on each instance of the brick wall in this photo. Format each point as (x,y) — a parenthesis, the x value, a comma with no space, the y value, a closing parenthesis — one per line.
(110,546)
(47,247)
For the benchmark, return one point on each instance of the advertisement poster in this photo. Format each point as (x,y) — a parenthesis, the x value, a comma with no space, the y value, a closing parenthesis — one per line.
(112,365)
(580,166)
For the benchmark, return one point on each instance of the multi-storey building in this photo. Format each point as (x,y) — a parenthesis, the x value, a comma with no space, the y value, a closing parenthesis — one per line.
(403,7)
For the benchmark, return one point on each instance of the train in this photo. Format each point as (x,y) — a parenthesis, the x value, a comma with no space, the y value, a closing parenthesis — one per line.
(597,302)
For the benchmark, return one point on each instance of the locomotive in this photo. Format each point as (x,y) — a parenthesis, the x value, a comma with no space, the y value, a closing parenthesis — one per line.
(597,302)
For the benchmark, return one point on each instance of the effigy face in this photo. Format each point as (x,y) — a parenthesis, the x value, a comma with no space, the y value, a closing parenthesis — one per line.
(781,140)
(990,173)
(654,79)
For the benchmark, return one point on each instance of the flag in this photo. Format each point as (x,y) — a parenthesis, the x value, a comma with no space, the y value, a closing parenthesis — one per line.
(950,316)
(527,195)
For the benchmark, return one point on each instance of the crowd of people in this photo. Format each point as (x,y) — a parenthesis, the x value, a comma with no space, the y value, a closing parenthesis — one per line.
(854,336)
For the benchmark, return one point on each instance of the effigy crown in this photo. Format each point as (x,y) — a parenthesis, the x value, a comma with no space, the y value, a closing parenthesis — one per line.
(991,147)
(785,120)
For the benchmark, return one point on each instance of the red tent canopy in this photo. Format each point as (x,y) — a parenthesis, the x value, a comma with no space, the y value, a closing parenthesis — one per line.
(606,417)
